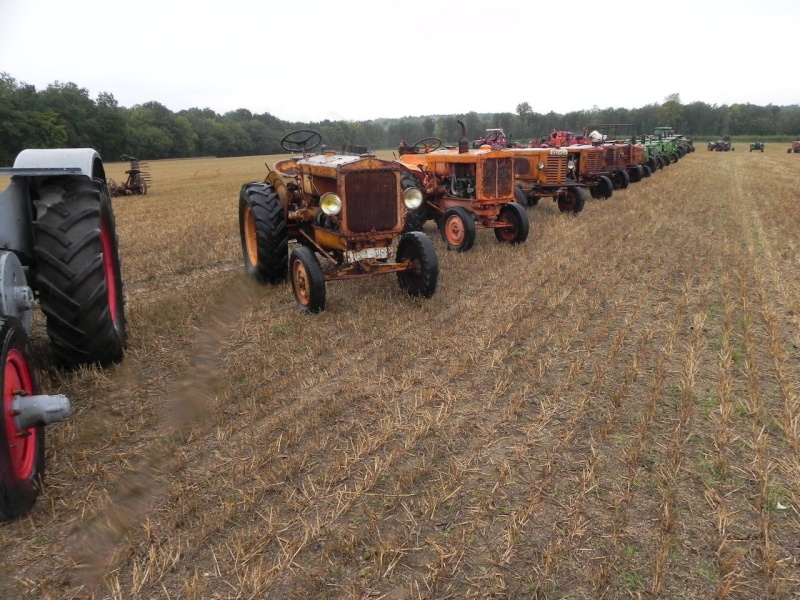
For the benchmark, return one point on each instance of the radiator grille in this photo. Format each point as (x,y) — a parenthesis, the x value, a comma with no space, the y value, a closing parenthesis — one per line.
(592,161)
(498,178)
(556,171)
(371,198)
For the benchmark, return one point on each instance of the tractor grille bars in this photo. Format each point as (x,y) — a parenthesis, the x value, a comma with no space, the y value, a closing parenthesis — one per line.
(556,171)
(498,178)
(370,201)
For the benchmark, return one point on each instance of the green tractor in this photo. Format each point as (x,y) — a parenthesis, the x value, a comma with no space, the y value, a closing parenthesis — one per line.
(669,143)
(757,146)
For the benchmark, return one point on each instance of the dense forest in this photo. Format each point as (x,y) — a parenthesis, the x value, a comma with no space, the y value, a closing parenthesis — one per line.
(64,115)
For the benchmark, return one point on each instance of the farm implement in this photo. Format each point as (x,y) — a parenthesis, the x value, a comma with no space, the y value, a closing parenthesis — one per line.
(138,180)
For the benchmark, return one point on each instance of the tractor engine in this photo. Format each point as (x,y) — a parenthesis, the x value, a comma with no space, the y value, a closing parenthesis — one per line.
(460,187)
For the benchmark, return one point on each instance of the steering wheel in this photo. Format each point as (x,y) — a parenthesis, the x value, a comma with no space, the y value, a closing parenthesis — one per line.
(301,140)
(428,144)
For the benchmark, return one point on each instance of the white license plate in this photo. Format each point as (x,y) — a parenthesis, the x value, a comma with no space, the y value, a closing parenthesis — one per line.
(356,255)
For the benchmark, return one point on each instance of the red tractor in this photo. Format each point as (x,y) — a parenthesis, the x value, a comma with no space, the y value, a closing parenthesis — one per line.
(795,147)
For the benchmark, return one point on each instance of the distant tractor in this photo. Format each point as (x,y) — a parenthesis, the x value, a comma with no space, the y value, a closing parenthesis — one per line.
(757,146)
(464,190)
(795,147)
(720,146)
(344,212)
(138,181)
(495,138)
(58,244)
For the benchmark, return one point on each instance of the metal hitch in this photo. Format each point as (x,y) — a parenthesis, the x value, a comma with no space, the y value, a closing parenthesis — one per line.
(33,411)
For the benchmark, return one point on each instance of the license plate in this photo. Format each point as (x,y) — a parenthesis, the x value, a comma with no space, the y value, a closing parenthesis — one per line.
(558,152)
(357,255)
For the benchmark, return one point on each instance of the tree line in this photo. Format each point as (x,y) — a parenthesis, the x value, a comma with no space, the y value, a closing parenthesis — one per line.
(63,115)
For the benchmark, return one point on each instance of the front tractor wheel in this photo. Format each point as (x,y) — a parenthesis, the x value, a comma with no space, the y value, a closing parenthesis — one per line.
(21,452)
(621,179)
(457,227)
(516,231)
(421,280)
(573,200)
(308,283)
(603,189)
(636,174)
(78,273)
(262,229)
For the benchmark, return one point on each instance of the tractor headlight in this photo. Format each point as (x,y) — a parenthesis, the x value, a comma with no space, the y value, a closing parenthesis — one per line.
(330,204)
(412,198)
(570,164)
(540,165)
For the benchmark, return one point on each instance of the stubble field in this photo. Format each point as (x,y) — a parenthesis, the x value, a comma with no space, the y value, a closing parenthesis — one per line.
(609,410)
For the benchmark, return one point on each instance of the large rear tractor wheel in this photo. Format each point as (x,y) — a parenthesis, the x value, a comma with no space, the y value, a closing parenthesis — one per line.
(78,273)
(421,280)
(21,452)
(262,228)
(308,283)
(457,227)
(673,157)
(573,200)
(518,226)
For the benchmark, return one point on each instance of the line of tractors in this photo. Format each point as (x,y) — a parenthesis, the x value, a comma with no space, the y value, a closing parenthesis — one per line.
(314,218)
(345,210)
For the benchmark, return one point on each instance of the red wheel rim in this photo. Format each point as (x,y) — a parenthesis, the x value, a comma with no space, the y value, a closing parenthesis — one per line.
(510,232)
(22,443)
(454,230)
(110,270)
(301,284)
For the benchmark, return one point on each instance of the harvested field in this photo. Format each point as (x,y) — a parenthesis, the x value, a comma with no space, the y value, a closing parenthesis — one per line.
(609,410)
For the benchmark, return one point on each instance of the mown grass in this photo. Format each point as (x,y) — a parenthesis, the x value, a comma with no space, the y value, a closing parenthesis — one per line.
(609,410)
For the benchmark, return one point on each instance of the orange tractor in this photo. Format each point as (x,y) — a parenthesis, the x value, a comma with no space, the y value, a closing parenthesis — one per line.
(795,147)
(464,189)
(343,212)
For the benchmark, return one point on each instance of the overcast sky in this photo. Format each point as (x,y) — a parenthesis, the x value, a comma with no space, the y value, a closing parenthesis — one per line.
(358,60)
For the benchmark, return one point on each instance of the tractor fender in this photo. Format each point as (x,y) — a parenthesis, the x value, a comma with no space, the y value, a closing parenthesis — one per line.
(79,161)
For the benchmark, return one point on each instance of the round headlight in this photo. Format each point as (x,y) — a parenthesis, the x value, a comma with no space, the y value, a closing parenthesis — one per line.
(570,164)
(330,204)
(412,198)
(540,165)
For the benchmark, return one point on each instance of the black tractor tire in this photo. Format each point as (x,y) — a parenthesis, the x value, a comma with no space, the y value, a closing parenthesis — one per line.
(418,248)
(308,282)
(663,161)
(636,174)
(262,230)
(621,180)
(653,163)
(521,198)
(457,227)
(646,172)
(517,233)
(78,274)
(22,459)
(603,189)
(573,200)
(673,157)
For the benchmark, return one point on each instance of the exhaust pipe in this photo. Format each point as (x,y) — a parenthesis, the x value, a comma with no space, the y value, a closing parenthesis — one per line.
(463,143)
(33,411)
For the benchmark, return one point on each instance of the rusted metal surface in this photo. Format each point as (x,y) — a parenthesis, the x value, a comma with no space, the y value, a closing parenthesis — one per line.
(138,181)
(371,201)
